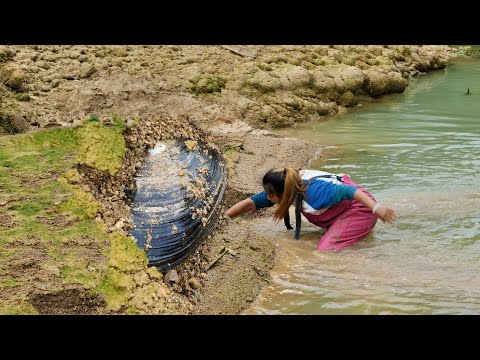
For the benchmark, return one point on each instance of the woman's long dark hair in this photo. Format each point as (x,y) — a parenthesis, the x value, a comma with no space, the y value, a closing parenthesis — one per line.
(285,183)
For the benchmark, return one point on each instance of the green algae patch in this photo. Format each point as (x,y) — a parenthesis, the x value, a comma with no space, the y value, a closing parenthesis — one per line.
(133,311)
(125,254)
(48,238)
(101,147)
(10,283)
(30,208)
(16,308)
(129,286)
(80,273)
(80,204)
(207,84)
(51,248)
(115,288)
(125,259)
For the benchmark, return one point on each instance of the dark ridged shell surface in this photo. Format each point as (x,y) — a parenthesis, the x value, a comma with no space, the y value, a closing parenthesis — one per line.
(178,192)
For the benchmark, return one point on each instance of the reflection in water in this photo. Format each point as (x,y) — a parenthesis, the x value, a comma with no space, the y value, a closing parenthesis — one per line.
(418,152)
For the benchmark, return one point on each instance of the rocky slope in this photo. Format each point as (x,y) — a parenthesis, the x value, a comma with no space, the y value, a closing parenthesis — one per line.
(282,85)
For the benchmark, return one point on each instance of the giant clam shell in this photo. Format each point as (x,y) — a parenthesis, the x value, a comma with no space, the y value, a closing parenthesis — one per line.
(176,201)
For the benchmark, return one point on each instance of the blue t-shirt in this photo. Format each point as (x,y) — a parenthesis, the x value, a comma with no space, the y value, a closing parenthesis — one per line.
(320,195)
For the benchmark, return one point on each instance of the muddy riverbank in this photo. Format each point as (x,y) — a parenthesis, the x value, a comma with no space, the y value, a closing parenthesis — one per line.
(184,92)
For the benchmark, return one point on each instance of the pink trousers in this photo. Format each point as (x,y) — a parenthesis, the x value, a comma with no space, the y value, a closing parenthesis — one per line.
(346,222)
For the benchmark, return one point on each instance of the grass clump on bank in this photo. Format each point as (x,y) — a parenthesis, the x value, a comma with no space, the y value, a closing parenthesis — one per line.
(102,147)
(207,84)
(48,238)
(125,259)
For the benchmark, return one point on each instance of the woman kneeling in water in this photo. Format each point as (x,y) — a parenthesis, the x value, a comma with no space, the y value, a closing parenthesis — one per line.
(335,202)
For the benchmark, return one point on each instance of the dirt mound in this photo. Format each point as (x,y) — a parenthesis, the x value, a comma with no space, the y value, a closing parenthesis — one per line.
(68,302)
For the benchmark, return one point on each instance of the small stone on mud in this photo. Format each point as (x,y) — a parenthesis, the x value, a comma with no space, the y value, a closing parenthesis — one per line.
(119,224)
(91,268)
(194,283)
(177,288)
(172,276)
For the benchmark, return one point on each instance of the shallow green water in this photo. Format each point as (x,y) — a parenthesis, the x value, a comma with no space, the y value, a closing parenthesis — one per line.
(418,152)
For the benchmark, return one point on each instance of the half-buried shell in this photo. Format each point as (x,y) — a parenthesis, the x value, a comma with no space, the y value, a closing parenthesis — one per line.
(176,201)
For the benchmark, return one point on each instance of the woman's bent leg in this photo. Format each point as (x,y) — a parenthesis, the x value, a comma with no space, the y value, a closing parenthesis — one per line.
(349,228)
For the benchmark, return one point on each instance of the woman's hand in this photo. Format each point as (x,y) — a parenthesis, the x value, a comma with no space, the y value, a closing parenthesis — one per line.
(385,214)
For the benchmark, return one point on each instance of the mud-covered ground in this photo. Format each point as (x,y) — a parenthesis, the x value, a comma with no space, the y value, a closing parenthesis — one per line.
(233,98)
(280,86)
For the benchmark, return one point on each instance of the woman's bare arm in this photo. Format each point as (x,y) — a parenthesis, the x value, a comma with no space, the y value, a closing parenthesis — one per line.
(240,208)
(385,214)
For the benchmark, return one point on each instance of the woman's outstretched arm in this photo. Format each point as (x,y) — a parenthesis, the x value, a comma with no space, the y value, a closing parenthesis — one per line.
(385,214)
(240,208)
